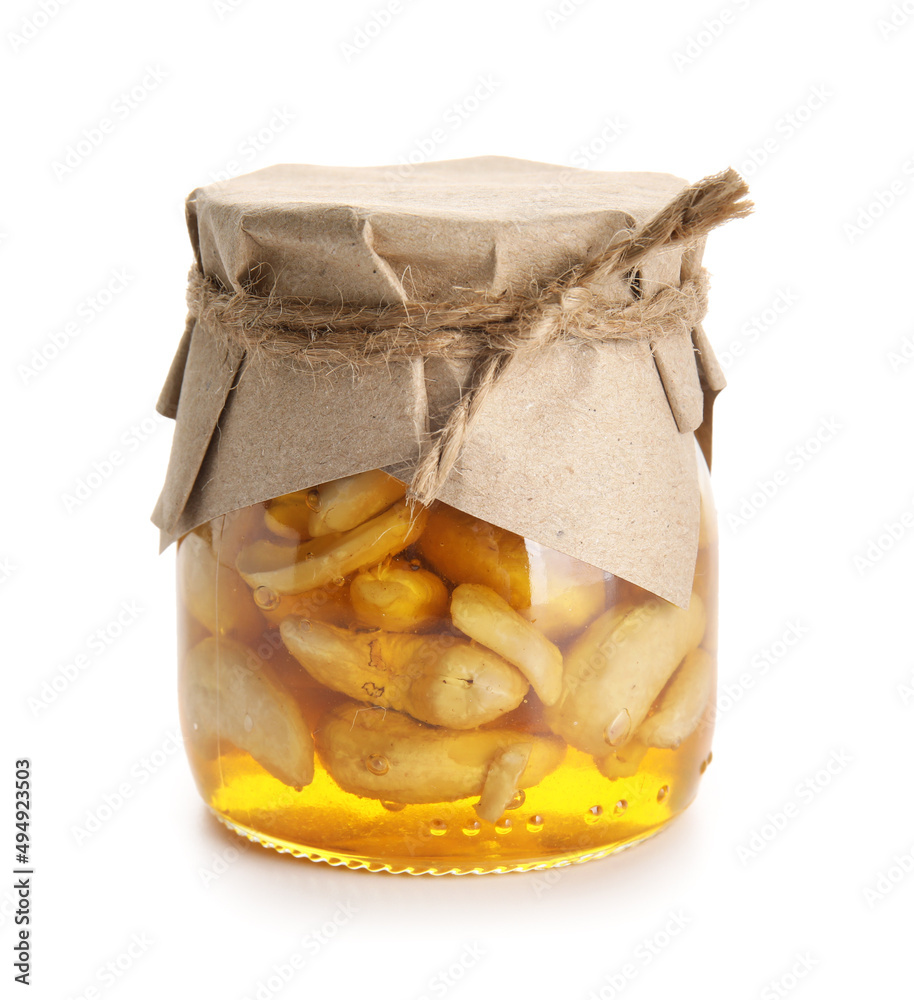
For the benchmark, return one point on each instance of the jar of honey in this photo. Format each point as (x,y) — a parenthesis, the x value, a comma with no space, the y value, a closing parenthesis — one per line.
(447,552)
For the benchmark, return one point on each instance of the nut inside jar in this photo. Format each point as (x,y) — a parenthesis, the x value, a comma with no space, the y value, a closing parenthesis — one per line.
(362,654)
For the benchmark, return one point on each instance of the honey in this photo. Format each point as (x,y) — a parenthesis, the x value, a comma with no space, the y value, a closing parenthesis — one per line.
(416,690)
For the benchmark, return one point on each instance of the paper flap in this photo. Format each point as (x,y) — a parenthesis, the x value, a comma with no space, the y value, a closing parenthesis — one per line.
(673,354)
(167,403)
(207,378)
(609,478)
(284,430)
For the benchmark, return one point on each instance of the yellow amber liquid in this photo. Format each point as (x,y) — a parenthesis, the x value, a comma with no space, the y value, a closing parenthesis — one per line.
(574,814)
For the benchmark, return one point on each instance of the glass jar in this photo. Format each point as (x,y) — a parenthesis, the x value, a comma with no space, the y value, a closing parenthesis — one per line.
(417,690)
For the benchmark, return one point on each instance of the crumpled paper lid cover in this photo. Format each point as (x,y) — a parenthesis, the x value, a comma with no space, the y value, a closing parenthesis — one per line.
(586,448)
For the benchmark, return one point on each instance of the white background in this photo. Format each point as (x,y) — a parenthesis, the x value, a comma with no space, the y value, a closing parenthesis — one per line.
(819,402)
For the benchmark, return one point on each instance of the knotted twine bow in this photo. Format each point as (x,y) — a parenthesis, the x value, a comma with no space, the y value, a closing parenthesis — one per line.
(491,334)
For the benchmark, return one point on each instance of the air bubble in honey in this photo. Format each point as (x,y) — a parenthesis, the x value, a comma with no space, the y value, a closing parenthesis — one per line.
(266,598)
(377,764)
(593,814)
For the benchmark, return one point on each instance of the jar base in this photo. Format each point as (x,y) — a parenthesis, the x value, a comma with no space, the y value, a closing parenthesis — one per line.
(433,866)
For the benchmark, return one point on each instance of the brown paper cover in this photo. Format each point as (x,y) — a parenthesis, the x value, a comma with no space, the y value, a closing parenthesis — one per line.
(585,448)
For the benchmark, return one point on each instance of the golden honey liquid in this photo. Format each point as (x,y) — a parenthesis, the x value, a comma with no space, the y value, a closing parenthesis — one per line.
(573,814)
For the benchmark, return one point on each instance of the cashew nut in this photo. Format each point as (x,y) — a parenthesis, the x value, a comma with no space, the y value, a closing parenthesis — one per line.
(331,557)
(484,616)
(676,714)
(287,516)
(327,604)
(435,678)
(681,704)
(398,596)
(502,781)
(213,593)
(617,667)
(557,593)
(383,754)
(346,503)
(229,694)
(467,550)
